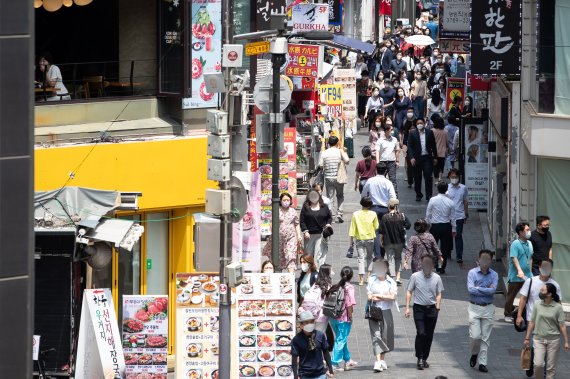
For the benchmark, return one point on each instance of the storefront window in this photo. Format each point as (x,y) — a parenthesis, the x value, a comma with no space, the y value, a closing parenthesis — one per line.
(156,230)
(170,47)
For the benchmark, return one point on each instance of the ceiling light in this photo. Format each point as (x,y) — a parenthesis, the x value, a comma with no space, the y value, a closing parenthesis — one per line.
(82,2)
(37,3)
(52,5)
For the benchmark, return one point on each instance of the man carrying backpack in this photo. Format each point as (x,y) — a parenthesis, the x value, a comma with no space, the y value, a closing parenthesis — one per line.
(309,349)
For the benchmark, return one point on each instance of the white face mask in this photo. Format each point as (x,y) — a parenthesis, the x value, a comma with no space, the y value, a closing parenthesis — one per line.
(454,180)
(467,102)
(378,124)
(527,235)
(545,271)
(309,328)
(421,126)
(410,115)
(304,267)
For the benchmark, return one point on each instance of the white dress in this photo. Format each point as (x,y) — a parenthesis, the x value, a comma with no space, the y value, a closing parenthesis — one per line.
(54,74)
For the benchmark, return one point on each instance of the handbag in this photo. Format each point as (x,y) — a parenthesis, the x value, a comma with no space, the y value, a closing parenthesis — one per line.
(373,313)
(515,313)
(327,232)
(341,176)
(526,361)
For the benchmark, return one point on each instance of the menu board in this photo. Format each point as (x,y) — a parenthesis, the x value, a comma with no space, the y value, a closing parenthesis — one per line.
(347,79)
(477,164)
(266,325)
(145,336)
(197,326)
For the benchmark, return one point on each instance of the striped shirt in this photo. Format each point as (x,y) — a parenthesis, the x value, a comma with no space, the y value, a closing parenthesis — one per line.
(330,160)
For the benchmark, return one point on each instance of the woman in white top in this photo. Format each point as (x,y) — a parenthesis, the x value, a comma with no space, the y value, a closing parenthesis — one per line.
(382,291)
(404,83)
(435,105)
(52,77)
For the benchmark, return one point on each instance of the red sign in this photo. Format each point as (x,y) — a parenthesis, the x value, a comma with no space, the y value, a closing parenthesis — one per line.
(386,7)
(455,87)
(335,110)
(232,56)
(476,82)
(304,61)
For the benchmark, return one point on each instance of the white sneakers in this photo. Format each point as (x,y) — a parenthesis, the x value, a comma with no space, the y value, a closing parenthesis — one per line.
(380,366)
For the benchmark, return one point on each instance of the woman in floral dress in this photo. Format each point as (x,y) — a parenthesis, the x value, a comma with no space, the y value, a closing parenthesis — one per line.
(419,245)
(289,235)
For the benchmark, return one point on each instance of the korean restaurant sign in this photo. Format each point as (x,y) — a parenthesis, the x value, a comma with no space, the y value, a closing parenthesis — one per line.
(496,37)
(307,17)
(304,60)
(99,349)
(455,20)
(331,95)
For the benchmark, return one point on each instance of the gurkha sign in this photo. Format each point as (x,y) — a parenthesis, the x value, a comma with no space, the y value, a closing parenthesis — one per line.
(496,37)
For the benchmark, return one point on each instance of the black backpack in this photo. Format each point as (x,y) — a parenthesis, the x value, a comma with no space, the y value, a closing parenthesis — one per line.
(334,303)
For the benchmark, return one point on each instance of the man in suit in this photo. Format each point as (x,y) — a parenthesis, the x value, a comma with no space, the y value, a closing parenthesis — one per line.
(386,58)
(422,152)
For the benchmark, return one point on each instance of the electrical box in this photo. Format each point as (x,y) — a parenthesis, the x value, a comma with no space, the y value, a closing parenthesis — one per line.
(219,146)
(217,122)
(206,243)
(235,274)
(219,169)
(218,202)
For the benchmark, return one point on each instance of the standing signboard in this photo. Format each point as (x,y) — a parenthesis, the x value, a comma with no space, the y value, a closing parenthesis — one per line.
(454,20)
(331,95)
(99,350)
(496,37)
(246,234)
(455,87)
(145,335)
(307,17)
(476,164)
(266,325)
(347,79)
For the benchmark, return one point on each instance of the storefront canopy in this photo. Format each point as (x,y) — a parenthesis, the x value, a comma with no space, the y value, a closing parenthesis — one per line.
(351,44)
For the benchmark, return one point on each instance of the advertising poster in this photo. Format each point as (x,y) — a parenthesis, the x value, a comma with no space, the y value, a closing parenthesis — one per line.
(455,87)
(206,45)
(287,177)
(99,349)
(308,17)
(145,336)
(246,236)
(304,60)
(197,326)
(335,12)
(476,164)
(331,95)
(455,19)
(266,325)
(347,79)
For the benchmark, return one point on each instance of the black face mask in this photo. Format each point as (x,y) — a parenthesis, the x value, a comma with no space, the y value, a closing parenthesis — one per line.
(545,229)
(542,296)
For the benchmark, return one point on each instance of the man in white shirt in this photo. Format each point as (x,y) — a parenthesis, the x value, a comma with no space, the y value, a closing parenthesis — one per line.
(458,193)
(330,162)
(440,214)
(388,152)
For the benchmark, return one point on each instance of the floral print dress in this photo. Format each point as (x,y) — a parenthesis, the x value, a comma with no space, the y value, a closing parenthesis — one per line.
(419,245)
(288,221)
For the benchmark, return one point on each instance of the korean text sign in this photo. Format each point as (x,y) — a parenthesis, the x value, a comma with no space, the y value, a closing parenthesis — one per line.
(304,60)
(496,37)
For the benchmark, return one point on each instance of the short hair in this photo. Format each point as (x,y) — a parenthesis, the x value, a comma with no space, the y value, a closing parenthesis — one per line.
(486,251)
(454,171)
(549,261)
(457,98)
(285,194)
(381,168)
(420,119)
(442,187)
(366,202)
(428,256)
(541,219)
(521,226)
(333,141)
(364,73)
(421,225)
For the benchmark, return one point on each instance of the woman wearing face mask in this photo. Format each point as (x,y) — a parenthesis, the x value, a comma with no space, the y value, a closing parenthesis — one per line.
(402,106)
(365,169)
(441,143)
(420,244)
(315,217)
(468,110)
(315,297)
(418,95)
(374,133)
(308,276)
(374,106)
(267,267)
(362,232)
(379,83)
(435,105)
(404,82)
(342,325)
(548,323)
(382,291)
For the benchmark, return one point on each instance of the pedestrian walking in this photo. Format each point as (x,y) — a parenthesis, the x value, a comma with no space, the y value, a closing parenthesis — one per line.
(541,240)
(315,218)
(402,109)
(520,263)
(374,106)
(365,169)
(362,232)
(393,228)
(435,105)
(452,149)
(418,95)
(458,193)
(440,214)
(388,152)
(426,287)
(374,132)
(407,127)
(382,292)
(309,349)
(423,156)
(330,161)
(315,297)
(342,325)
(289,235)
(349,132)
(548,323)
(308,276)
(482,284)
(419,245)
(441,144)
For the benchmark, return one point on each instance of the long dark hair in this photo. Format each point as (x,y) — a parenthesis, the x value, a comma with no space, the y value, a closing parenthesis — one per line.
(367,154)
(324,280)
(436,97)
(307,203)
(345,277)
(551,289)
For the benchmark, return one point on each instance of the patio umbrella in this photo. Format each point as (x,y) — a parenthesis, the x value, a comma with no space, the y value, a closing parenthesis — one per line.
(420,40)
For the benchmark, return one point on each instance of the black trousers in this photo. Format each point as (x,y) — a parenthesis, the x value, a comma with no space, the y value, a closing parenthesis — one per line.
(424,166)
(425,318)
(443,232)
(409,171)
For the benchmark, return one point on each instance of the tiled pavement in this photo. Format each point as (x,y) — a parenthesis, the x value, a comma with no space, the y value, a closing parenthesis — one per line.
(450,351)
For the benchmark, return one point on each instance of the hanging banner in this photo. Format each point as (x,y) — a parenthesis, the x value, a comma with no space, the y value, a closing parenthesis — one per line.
(476,82)
(476,164)
(347,79)
(265,8)
(331,95)
(206,45)
(308,17)
(99,350)
(335,12)
(385,7)
(246,235)
(496,37)
(304,60)
(266,325)
(145,335)
(455,20)
(455,87)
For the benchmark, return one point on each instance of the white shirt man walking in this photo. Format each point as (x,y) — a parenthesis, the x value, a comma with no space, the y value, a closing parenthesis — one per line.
(388,151)
(440,214)
(330,163)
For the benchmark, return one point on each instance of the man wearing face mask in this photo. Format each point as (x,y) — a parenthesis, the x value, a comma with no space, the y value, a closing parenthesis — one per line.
(520,263)
(330,162)
(386,58)
(482,284)
(541,240)
(423,156)
(426,287)
(309,350)
(397,64)
(388,151)
(458,193)
(434,56)
(388,95)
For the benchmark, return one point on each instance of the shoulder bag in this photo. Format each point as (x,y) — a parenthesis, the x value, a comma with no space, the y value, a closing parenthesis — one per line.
(341,176)
(372,312)
(515,312)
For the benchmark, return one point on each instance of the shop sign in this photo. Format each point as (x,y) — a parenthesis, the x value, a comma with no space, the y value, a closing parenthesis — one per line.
(307,17)
(386,7)
(335,12)
(255,48)
(455,87)
(303,60)
(476,82)
(454,46)
(476,164)
(99,349)
(266,8)
(496,37)
(347,80)
(331,95)
(36,347)
(266,325)
(455,19)
(145,335)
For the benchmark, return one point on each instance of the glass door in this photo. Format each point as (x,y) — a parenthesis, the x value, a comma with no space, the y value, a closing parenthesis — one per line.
(157,245)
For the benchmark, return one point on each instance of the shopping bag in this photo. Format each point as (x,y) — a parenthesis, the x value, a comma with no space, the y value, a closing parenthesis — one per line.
(526,361)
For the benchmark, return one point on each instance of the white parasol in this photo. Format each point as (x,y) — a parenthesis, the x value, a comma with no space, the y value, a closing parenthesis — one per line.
(420,40)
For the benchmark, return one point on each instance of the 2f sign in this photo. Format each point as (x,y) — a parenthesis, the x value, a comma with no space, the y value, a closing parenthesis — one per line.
(495,65)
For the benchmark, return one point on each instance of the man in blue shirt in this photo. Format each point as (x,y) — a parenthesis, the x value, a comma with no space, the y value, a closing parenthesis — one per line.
(482,284)
(520,263)
(432,26)
(309,349)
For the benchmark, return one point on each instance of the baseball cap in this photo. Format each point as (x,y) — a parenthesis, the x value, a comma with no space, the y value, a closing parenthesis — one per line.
(393,202)
(306,316)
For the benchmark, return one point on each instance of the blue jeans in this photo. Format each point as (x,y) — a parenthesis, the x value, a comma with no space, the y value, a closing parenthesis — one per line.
(380,212)
(459,239)
(324,376)
(340,350)
(418,104)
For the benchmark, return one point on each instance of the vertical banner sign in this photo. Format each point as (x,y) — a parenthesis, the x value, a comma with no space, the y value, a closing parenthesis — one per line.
(307,17)
(246,235)
(496,37)
(197,326)
(476,164)
(265,8)
(347,80)
(304,60)
(145,335)
(385,7)
(331,95)
(36,347)
(335,12)
(99,350)
(206,45)
(455,20)
(455,87)
(266,325)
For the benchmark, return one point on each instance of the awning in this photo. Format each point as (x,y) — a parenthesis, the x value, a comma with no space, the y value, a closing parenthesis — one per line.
(351,44)
(122,233)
